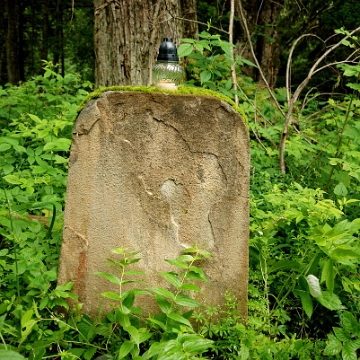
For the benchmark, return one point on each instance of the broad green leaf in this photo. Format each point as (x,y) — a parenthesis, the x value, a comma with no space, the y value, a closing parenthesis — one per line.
(185,257)
(27,324)
(185,50)
(177,263)
(196,345)
(7,169)
(66,287)
(134,272)
(189,287)
(122,318)
(144,335)
(164,305)
(60,144)
(154,350)
(306,301)
(2,321)
(340,334)
(191,275)
(178,318)
(172,278)
(26,317)
(351,72)
(163,292)
(112,278)
(349,350)
(345,255)
(89,353)
(187,301)
(134,333)
(205,76)
(111,295)
(354,86)
(104,329)
(333,346)
(349,322)
(330,300)
(4,147)
(340,190)
(35,118)
(248,62)
(77,352)
(125,349)
(10,355)
(328,275)
(157,322)
(128,301)
(12,179)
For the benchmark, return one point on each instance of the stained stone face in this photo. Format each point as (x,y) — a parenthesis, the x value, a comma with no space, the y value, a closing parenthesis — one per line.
(157,173)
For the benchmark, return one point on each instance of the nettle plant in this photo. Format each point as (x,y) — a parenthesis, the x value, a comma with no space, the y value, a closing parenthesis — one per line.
(209,61)
(170,334)
(36,119)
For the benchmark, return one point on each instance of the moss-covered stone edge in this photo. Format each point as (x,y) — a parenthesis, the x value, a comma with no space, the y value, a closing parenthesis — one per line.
(183,90)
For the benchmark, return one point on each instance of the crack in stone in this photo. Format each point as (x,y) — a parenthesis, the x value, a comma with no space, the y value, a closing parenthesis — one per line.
(212,241)
(82,237)
(193,151)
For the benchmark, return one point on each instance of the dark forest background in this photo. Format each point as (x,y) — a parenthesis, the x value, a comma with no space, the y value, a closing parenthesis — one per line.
(62,32)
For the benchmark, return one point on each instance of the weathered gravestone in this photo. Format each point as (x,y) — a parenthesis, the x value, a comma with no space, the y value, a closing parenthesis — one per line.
(157,172)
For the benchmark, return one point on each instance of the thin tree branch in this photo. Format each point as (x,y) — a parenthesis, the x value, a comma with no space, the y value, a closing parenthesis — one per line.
(193,21)
(292,100)
(231,41)
(247,32)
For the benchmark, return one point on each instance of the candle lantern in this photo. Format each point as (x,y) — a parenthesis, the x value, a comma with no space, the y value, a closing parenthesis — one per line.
(167,73)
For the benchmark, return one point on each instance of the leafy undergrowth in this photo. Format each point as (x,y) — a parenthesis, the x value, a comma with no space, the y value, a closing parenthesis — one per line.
(304,246)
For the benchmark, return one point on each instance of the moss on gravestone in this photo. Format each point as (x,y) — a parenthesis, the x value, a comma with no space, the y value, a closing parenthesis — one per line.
(183,90)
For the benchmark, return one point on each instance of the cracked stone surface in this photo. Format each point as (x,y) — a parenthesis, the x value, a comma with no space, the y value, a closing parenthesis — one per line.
(157,173)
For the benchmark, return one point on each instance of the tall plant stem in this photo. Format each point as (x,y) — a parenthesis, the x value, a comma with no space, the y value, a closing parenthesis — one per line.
(338,145)
(15,246)
(292,99)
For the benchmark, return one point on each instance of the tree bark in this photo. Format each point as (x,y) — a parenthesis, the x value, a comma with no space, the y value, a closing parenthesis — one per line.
(59,37)
(262,19)
(13,42)
(45,31)
(3,35)
(127,36)
(191,27)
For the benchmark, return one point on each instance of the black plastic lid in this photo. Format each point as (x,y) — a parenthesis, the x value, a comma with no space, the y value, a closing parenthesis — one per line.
(167,51)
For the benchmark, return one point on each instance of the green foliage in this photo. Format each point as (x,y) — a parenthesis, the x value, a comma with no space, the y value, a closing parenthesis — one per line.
(345,339)
(304,234)
(209,62)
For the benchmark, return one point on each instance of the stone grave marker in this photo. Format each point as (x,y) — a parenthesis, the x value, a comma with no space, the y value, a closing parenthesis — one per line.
(157,172)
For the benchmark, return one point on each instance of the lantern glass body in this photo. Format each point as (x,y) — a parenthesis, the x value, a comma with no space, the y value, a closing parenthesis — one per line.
(167,72)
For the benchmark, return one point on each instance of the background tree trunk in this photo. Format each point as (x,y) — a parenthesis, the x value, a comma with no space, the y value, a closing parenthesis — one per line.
(262,19)
(128,34)
(191,28)
(13,42)
(3,35)
(58,48)
(45,31)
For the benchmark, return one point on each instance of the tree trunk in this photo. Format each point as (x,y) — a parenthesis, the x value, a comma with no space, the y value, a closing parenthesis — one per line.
(45,31)
(262,19)
(128,34)
(59,37)
(3,35)
(191,28)
(13,42)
